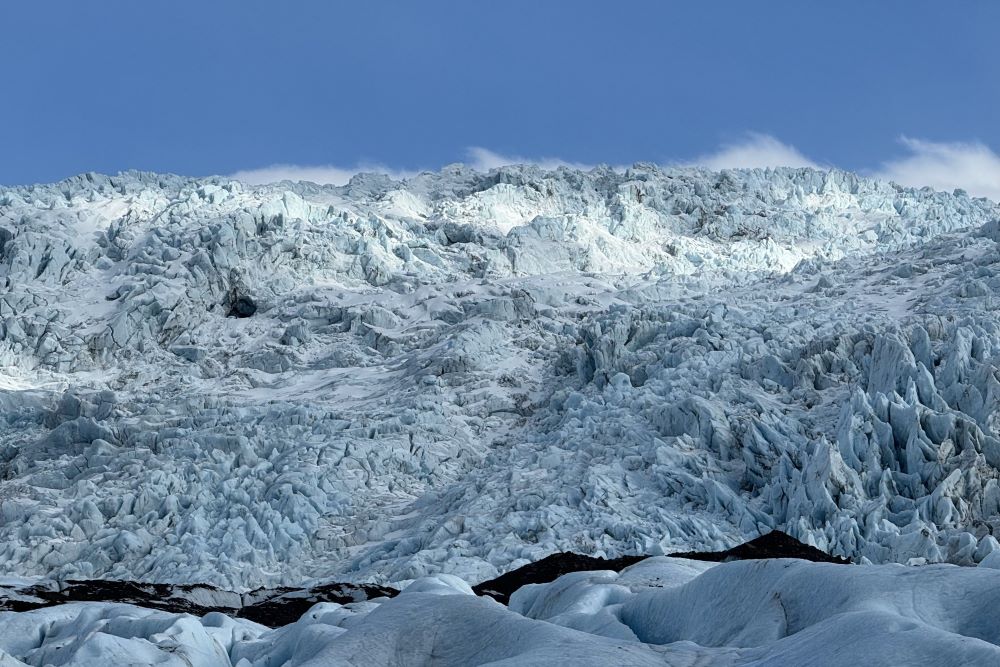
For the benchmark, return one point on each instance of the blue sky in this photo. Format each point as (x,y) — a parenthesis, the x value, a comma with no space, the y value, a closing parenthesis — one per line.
(904,89)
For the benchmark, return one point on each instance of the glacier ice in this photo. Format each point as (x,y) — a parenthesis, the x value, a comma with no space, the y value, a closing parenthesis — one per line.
(660,611)
(463,372)
(441,379)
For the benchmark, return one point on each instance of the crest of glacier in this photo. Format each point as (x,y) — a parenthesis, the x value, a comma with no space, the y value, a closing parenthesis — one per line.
(460,373)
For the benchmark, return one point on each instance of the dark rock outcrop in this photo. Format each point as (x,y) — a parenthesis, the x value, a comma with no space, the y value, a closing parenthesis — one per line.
(271,607)
(549,569)
(284,606)
(775,544)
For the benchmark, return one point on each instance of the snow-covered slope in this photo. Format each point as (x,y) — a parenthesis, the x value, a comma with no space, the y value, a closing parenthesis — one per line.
(464,372)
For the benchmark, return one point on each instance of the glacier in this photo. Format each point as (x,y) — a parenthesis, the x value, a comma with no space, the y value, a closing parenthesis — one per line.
(661,611)
(443,378)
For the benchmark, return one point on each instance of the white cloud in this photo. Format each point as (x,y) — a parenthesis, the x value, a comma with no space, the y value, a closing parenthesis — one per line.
(322,174)
(483,159)
(974,167)
(756,150)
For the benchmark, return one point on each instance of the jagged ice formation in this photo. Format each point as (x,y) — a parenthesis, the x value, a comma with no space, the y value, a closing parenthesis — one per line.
(203,381)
